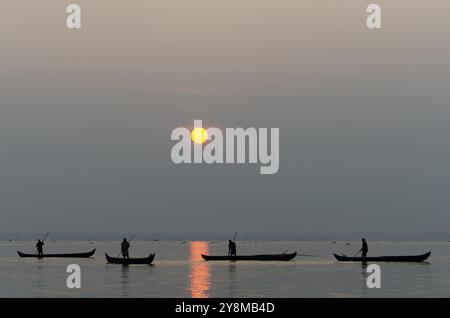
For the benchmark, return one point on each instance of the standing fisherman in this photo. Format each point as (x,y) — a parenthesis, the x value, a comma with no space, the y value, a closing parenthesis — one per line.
(40,248)
(231,248)
(364,249)
(125,247)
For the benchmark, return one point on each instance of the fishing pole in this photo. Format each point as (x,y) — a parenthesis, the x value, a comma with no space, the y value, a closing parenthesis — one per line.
(45,237)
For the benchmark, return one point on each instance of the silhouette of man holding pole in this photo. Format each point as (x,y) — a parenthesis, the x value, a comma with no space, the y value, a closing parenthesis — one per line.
(40,248)
(231,248)
(364,249)
(125,246)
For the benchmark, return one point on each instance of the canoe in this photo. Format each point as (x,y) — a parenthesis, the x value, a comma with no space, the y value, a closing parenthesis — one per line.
(411,258)
(268,257)
(70,255)
(129,261)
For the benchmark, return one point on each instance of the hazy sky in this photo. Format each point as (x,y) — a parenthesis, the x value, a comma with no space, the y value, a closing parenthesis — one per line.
(86,116)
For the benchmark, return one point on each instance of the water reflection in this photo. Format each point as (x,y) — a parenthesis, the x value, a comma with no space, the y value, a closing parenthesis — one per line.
(125,280)
(232,280)
(40,274)
(200,276)
(364,289)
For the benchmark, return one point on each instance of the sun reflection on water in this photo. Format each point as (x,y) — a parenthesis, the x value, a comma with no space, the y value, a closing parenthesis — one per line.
(200,275)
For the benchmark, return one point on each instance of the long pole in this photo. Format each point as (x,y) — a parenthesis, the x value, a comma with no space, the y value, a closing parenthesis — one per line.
(45,237)
(234,238)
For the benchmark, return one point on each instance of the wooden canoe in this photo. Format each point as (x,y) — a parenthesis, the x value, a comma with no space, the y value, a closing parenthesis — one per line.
(69,255)
(410,258)
(130,261)
(267,257)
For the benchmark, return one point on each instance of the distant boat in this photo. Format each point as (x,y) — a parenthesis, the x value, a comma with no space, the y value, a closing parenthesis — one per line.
(130,261)
(268,257)
(411,258)
(70,255)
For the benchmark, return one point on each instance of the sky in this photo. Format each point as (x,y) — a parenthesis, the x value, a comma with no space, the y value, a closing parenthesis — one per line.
(86,117)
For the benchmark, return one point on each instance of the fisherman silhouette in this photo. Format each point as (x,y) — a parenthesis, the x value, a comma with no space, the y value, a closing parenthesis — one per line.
(231,248)
(39,247)
(125,246)
(364,249)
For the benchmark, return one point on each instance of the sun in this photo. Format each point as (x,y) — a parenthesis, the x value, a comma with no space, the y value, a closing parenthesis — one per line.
(199,135)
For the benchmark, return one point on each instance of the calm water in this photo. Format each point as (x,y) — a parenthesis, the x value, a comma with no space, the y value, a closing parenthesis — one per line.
(178,271)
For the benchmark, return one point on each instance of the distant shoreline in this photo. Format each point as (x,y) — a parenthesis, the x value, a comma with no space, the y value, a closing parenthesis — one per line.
(337,242)
(241,236)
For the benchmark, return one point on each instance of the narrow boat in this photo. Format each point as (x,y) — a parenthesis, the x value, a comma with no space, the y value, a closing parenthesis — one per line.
(411,258)
(70,255)
(268,257)
(129,261)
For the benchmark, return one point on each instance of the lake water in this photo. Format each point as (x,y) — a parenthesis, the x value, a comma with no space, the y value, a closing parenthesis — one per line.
(178,271)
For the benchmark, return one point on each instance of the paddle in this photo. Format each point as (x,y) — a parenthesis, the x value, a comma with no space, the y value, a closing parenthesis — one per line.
(118,255)
(45,237)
